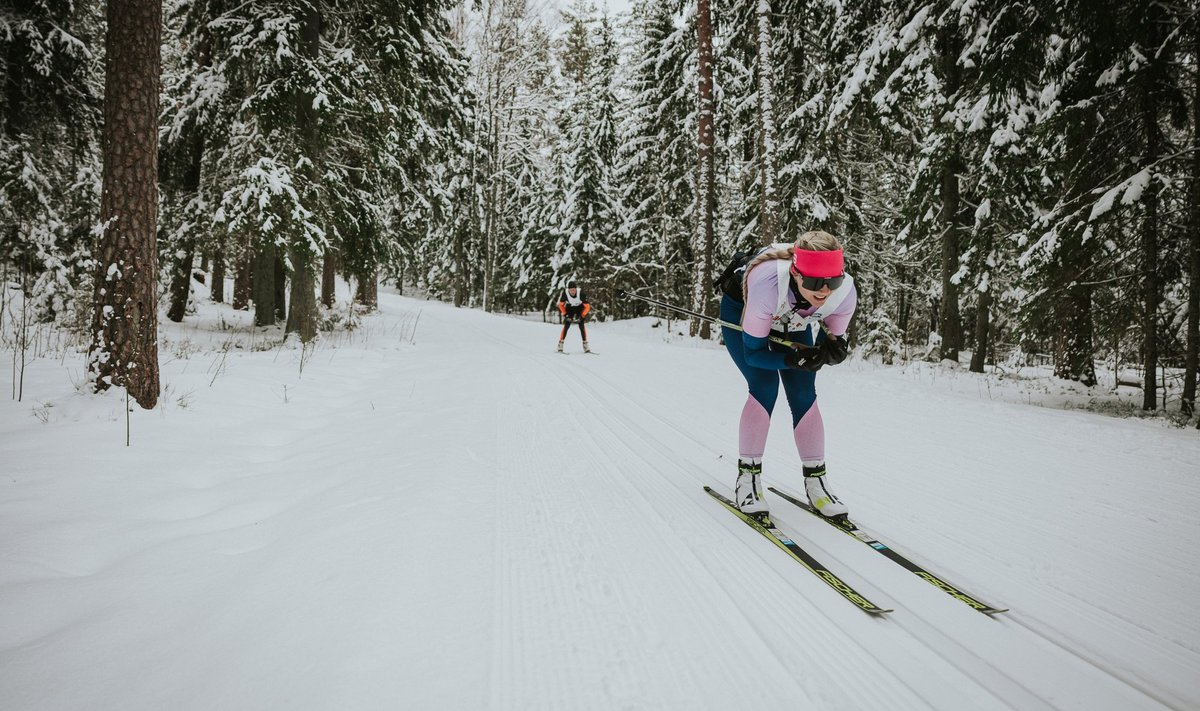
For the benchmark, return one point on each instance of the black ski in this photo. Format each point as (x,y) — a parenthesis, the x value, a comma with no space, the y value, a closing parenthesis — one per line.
(845,525)
(764,525)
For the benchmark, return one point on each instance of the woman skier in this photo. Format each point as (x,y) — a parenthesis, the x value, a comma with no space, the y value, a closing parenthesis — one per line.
(799,293)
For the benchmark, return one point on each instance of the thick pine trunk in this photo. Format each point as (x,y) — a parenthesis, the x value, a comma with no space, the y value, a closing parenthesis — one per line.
(706,169)
(124,350)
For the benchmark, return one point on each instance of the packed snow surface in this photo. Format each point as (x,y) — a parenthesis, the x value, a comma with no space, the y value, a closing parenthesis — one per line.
(436,511)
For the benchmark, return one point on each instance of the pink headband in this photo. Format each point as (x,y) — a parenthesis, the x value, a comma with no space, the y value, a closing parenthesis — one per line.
(826,263)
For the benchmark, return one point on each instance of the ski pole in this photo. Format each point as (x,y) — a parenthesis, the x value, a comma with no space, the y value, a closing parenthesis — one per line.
(710,319)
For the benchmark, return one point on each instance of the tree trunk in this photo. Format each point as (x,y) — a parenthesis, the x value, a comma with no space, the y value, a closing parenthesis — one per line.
(185,256)
(367,293)
(1192,359)
(328,279)
(124,350)
(950,323)
(983,322)
(767,209)
(302,314)
(1150,288)
(243,283)
(263,282)
(707,169)
(1074,330)
(181,280)
(217,289)
(280,286)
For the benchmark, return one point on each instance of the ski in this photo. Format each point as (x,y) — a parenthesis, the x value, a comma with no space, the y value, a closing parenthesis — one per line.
(764,525)
(845,525)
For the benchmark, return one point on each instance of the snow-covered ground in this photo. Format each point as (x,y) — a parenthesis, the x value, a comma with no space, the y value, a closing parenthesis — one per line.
(436,511)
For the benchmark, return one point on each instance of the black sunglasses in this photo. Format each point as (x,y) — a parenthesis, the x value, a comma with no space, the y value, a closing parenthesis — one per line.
(815,283)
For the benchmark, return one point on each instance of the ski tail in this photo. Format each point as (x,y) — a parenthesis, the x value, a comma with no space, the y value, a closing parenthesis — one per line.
(850,528)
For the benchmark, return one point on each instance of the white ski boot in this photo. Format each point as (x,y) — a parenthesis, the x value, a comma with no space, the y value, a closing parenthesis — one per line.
(819,496)
(747,493)
(585,347)
(560,345)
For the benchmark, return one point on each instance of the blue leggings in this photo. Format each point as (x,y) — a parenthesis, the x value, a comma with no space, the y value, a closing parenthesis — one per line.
(799,386)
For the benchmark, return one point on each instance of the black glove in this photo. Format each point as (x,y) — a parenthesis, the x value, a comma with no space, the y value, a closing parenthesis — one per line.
(805,358)
(834,349)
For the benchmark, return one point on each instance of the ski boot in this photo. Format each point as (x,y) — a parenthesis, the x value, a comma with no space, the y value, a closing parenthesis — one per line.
(585,347)
(560,344)
(821,499)
(747,493)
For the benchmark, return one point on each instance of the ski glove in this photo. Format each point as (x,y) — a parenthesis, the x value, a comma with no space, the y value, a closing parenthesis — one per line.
(805,358)
(834,349)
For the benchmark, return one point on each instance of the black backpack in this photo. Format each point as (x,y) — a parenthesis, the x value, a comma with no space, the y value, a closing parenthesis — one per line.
(730,280)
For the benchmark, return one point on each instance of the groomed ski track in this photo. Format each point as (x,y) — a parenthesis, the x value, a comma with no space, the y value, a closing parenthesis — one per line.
(469,521)
(752,628)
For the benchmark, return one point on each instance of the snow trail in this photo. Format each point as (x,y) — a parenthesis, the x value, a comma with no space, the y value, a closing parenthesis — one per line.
(462,519)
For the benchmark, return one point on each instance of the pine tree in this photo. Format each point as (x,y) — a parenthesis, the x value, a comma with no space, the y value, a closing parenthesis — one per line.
(125,347)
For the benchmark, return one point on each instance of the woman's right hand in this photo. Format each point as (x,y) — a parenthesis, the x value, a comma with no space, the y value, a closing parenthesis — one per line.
(805,358)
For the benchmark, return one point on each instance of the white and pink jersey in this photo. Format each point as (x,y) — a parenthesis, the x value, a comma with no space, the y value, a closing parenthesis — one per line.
(771,303)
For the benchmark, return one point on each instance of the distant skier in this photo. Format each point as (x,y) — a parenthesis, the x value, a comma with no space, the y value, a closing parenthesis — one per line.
(574,307)
(802,294)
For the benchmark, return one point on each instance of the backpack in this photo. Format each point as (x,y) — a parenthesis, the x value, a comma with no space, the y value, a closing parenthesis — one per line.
(730,281)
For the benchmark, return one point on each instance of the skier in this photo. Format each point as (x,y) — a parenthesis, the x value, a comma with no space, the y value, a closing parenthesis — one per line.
(574,307)
(800,293)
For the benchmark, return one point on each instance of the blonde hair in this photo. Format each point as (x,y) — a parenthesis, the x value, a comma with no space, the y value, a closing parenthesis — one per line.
(813,241)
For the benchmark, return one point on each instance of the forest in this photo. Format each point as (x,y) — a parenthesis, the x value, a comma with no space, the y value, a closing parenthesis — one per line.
(1012,179)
